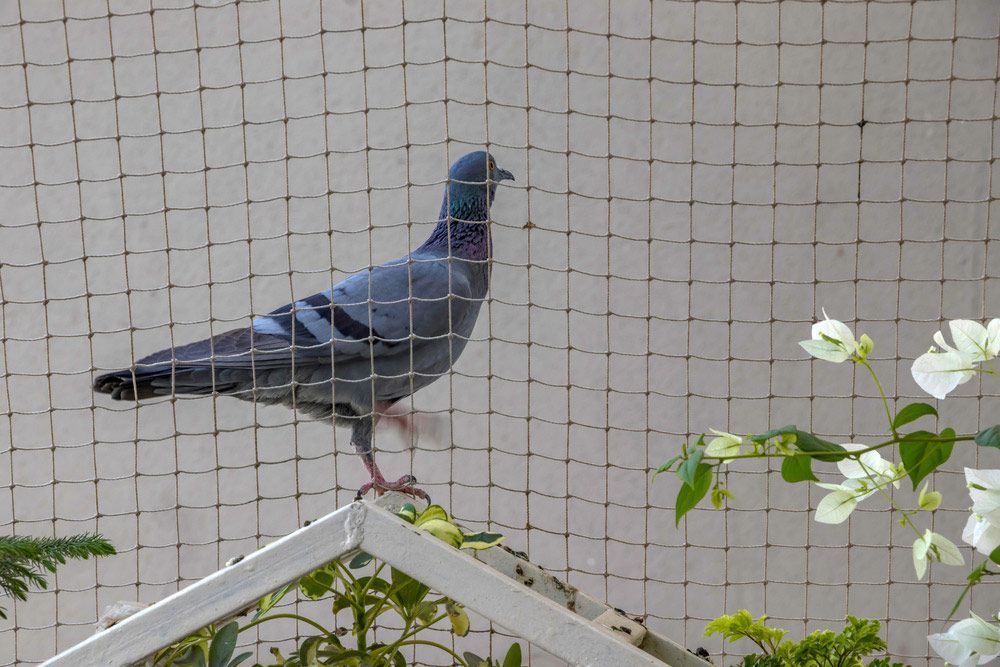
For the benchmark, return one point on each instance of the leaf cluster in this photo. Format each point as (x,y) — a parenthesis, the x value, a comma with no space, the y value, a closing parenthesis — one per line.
(824,648)
(366,598)
(25,561)
(921,452)
(511,659)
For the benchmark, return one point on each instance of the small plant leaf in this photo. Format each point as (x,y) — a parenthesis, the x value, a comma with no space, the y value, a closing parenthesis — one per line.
(807,442)
(444,531)
(989,437)
(474,660)
(360,561)
(432,513)
(317,583)
(995,555)
(688,470)
(240,658)
(921,453)
(459,619)
(513,657)
(911,413)
(479,541)
(818,448)
(797,469)
(194,656)
(223,645)
(668,465)
(408,512)
(689,496)
(407,591)
(774,433)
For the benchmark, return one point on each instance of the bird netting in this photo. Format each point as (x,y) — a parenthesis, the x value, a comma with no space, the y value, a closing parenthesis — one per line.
(695,181)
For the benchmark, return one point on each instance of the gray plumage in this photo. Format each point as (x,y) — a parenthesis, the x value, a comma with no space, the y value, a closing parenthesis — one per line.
(350,352)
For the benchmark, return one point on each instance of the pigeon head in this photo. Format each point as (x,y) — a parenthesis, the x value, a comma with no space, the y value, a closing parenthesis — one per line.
(472,184)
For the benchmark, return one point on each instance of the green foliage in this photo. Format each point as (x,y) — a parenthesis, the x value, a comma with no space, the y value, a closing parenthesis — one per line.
(511,659)
(797,469)
(989,437)
(24,561)
(366,597)
(824,648)
(813,445)
(911,413)
(690,495)
(922,452)
(742,625)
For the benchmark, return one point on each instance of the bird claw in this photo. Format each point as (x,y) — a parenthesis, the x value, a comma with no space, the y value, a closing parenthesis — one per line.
(404,484)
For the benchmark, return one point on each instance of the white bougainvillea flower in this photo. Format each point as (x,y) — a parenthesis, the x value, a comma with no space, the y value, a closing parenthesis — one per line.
(837,505)
(975,341)
(984,488)
(972,641)
(982,534)
(944,367)
(869,465)
(934,547)
(724,444)
(832,340)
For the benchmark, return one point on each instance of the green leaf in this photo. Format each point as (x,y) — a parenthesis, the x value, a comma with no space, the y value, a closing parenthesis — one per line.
(408,512)
(474,660)
(444,531)
(308,650)
(459,619)
(223,645)
(989,437)
(513,657)
(407,591)
(479,541)
(360,561)
(689,496)
(797,469)
(807,442)
(194,656)
(824,450)
(911,413)
(921,454)
(668,465)
(688,470)
(774,433)
(432,513)
(240,658)
(317,583)
(995,555)
(370,584)
(426,611)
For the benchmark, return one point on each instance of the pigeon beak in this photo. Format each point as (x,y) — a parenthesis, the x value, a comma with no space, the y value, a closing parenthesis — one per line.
(502,175)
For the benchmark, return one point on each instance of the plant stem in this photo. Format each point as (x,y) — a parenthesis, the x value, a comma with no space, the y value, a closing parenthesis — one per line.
(426,642)
(873,448)
(881,393)
(408,632)
(296,617)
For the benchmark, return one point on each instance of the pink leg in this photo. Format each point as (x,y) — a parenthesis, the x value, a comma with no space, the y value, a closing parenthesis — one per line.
(362,440)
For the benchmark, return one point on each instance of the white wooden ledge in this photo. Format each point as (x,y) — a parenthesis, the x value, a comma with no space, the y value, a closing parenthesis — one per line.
(534,613)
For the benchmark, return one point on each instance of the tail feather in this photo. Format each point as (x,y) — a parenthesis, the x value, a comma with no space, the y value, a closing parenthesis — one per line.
(216,365)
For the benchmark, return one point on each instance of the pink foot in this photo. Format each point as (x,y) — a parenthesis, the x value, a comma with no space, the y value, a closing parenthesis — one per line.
(404,484)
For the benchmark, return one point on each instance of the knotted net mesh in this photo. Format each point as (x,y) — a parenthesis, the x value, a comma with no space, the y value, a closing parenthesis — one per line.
(695,181)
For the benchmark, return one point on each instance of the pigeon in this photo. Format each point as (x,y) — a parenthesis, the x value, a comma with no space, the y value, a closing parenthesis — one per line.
(347,354)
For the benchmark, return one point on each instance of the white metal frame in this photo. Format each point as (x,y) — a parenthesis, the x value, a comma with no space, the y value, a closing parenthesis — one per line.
(545,614)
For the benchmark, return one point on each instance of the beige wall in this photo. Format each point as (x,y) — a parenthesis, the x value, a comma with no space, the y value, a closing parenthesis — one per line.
(682,237)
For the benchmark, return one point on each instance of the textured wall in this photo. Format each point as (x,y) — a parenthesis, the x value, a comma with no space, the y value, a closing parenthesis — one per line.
(695,180)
